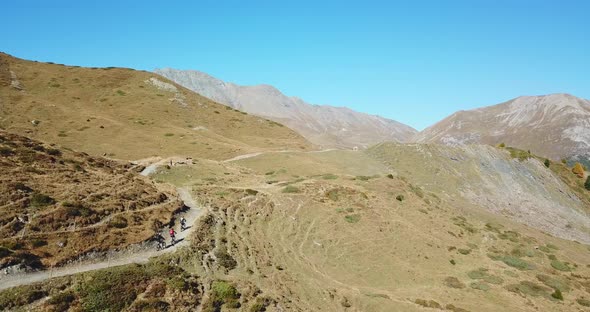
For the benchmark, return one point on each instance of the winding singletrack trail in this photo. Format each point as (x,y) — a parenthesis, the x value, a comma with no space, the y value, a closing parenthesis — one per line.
(118,259)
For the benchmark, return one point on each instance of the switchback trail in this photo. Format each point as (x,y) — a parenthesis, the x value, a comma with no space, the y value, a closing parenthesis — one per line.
(117,259)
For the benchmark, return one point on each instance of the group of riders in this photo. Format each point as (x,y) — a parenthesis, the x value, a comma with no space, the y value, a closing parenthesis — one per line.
(159,238)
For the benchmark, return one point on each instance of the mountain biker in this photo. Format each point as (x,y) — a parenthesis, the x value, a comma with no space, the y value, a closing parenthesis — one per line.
(172,235)
(182,223)
(158,237)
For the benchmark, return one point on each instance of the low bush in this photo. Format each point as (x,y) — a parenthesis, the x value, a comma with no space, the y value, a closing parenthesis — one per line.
(516,263)
(41,200)
(113,289)
(453,282)
(118,222)
(291,189)
(20,296)
(400,198)
(353,218)
(480,286)
(222,293)
(62,301)
(529,288)
(225,259)
(557,294)
(583,302)
(558,265)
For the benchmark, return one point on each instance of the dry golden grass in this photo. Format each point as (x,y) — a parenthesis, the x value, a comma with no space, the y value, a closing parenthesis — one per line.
(56,205)
(118,112)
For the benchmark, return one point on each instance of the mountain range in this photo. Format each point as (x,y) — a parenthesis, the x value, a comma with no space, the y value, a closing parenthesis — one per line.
(323,125)
(555,126)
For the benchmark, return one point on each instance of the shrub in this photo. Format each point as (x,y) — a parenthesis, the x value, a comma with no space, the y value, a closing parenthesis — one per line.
(428,303)
(222,293)
(353,218)
(76,209)
(21,187)
(54,152)
(547,163)
(587,184)
(4,252)
(454,282)
(464,251)
(62,300)
(121,92)
(330,176)
(502,145)
(583,302)
(38,243)
(119,222)
(529,288)
(558,265)
(225,259)
(557,294)
(262,303)
(291,189)
(554,282)
(515,262)
(480,286)
(112,289)
(6,151)
(19,296)
(578,170)
(41,200)
(400,198)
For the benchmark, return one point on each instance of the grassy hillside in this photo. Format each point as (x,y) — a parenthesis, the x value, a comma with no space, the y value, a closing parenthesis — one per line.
(346,231)
(127,114)
(56,204)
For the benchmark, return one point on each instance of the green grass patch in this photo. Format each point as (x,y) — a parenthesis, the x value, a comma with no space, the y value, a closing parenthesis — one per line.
(453,282)
(222,294)
(480,286)
(530,289)
(558,265)
(121,92)
(329,176)
(39,200)
(554,282)
(168,134)
(353,218)
(513,261)
(291,189)
(483,274)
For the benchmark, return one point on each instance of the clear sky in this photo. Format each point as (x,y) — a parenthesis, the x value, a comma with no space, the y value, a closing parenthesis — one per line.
(413,61)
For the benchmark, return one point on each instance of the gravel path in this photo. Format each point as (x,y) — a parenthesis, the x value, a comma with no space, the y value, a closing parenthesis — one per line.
(121,258)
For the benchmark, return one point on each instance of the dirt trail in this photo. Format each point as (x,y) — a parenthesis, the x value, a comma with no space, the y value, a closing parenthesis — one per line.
(121,258)
(246,156)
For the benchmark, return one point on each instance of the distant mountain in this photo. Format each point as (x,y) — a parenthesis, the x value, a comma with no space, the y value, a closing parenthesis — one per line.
(323,125)
(555,126)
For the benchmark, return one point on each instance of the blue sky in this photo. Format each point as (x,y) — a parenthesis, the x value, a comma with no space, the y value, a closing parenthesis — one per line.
(412,61)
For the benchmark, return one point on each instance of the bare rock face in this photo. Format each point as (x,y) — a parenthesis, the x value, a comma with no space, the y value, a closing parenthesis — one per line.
(555,126)
(323,125)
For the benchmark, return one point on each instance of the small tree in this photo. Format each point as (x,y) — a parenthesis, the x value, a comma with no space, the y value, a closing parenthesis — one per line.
(578,169)
(547,163)
(587,184)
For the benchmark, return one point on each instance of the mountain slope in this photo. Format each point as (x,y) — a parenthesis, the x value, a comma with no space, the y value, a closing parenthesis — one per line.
(56,205)
(323,125)
(555,126)
(127,114)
